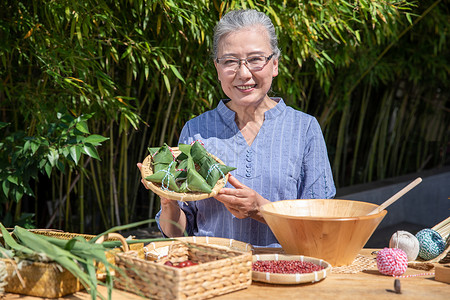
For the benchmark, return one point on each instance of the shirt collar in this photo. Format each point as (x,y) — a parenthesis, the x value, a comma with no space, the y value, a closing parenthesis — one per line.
(228,115)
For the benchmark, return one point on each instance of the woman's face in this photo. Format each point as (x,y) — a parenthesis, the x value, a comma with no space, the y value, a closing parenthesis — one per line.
(245,87)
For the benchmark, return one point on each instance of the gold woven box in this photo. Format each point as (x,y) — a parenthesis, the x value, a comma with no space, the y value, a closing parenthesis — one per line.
(101,271)
(40,279)
(51,280)
(218,271)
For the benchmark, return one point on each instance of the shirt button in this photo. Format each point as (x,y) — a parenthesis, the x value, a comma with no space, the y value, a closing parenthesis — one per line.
(248,174)
(249,166)
(249,159)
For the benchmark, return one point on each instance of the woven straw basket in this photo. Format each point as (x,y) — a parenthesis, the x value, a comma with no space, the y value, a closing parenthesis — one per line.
(110,255)
(50,280)
(40,279)
(147,170)
(161,247)
(218,271)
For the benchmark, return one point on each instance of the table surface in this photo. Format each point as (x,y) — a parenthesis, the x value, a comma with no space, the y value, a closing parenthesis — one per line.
(368,284)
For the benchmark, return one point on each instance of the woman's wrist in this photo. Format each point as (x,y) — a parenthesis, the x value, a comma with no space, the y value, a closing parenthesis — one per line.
(172,219)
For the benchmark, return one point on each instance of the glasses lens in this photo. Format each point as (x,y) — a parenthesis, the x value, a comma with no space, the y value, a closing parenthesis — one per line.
(256,62)
(229,63)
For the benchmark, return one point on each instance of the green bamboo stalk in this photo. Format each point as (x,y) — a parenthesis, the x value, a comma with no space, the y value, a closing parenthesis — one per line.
(68,223)
(361,117)
(382,144)
(111,175)
(162,137)
(59,206)
(408,133)
(125,176)
(98,196)
(340,144)
(81,197)
(401,120)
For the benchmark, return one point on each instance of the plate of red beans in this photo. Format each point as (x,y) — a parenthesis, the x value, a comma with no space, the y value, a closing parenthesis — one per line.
(288,269)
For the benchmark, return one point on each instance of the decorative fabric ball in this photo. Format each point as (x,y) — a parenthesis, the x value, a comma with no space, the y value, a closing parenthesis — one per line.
(407,242)
(392,261)
(431,243)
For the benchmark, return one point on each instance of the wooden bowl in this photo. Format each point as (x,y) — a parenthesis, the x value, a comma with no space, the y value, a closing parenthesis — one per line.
(147,170)
(330,229)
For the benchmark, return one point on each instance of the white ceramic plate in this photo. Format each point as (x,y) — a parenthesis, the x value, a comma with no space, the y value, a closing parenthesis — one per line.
(277,278)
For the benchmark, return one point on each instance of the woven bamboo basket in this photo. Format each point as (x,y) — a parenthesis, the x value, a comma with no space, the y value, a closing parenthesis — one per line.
(218,271)
(49,279)
(162,247)
(110,255)
(147,170)
(40,279)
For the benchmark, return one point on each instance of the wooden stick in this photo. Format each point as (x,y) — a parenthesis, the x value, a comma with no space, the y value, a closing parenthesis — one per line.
(396,196)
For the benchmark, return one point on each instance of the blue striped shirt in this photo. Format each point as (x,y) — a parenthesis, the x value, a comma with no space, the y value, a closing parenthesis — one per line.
(287,160)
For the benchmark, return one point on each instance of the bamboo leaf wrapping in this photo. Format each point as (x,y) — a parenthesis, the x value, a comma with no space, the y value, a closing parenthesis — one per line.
(210,169)
(193,170)
(195,181)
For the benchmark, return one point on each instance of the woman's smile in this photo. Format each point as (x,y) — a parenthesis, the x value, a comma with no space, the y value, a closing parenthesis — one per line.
(246,88)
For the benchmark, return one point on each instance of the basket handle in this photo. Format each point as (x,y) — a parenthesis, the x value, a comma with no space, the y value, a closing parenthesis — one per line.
(113,235)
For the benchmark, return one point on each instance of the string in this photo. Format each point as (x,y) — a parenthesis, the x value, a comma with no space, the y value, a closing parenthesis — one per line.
(414,275)
(200,141)
(166,177)
(214,166)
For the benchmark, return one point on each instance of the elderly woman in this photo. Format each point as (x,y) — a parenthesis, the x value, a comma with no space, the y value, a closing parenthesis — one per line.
(279,152)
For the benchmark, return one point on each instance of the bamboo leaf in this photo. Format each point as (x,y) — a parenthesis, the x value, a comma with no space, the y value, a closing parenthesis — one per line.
(90,150)
(10,242)
(53,157)
(75,153)
(95,139)
(167,82)
(175,71)
(48,169)
(83,127)
(5,186)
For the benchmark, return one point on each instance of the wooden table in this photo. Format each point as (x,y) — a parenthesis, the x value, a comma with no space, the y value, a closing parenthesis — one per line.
(368,284)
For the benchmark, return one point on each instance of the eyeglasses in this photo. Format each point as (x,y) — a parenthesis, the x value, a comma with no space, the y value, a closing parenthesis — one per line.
(253,63)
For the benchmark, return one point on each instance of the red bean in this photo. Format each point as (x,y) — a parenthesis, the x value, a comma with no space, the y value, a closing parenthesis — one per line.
(182,264)
(285,266)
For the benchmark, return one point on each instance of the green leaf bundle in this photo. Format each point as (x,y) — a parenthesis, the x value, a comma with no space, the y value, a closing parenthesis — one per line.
(193,170)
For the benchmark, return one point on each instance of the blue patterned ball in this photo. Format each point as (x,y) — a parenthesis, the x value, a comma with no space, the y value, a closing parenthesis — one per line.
(431,243)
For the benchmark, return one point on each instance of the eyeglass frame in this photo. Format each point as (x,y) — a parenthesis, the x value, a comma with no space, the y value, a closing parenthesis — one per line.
(245,60)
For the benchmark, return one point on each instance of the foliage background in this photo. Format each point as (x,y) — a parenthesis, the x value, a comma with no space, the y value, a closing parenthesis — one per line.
(87,86)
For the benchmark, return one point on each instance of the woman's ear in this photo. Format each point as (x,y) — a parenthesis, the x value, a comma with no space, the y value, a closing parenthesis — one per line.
(217,70)
(275,68)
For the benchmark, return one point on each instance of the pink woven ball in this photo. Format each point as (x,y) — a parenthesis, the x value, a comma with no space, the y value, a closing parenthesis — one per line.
(392,261)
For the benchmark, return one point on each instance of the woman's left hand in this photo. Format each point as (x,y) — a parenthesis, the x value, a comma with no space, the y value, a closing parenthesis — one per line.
(242,201)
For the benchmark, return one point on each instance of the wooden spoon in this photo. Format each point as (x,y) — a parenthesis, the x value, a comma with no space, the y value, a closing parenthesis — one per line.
(396,196)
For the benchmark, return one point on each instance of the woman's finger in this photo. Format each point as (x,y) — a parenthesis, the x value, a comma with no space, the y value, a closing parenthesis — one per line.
(145,185)
(235,182)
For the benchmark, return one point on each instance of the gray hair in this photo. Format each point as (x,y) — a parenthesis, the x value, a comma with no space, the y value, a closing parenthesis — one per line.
(238,19)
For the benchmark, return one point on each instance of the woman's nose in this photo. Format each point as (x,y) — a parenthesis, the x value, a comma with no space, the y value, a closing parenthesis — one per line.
(243,70)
